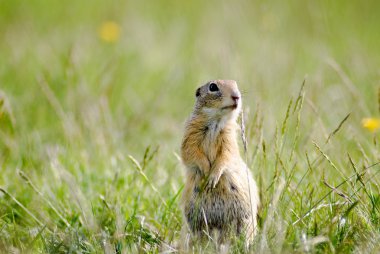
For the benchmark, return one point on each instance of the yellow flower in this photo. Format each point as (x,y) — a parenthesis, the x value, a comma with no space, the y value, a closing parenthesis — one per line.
(109,31)
(372,124)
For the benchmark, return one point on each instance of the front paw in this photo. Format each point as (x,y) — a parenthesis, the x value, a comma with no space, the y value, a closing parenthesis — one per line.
(213,179)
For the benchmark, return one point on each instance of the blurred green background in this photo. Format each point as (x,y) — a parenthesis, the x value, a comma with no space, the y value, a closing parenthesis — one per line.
(73,101)
(168,48)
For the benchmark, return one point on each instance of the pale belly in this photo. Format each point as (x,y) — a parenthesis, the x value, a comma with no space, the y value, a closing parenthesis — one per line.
(226,207)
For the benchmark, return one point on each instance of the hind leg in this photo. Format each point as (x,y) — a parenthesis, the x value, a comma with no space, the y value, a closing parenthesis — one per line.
(246,228)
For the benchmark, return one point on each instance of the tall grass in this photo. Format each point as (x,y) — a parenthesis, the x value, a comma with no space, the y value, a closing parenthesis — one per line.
(90,130)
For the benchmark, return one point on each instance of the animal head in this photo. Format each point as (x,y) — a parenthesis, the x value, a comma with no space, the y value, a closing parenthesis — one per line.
(219,98)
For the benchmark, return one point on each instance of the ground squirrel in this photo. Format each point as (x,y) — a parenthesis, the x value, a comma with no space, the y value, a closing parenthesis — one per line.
(220,195)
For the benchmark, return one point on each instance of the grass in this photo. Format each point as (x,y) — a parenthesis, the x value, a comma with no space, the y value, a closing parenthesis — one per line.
(90,130)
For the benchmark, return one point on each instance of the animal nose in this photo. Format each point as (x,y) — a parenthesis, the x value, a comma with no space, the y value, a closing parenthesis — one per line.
(235,97)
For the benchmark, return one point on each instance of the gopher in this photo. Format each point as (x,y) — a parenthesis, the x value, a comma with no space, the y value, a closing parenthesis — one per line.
(220,196)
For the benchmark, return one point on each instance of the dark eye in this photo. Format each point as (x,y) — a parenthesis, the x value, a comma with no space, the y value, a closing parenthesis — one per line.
(213,87)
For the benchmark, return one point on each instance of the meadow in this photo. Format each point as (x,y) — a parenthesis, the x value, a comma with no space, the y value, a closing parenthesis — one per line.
(94,96)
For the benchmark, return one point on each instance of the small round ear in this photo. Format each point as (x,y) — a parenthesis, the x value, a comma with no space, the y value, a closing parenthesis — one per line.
(198,92)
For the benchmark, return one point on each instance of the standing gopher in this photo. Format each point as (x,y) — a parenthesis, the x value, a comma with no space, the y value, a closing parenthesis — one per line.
(220,196)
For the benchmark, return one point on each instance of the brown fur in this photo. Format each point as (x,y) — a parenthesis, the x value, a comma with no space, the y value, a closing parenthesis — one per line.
(220,194)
